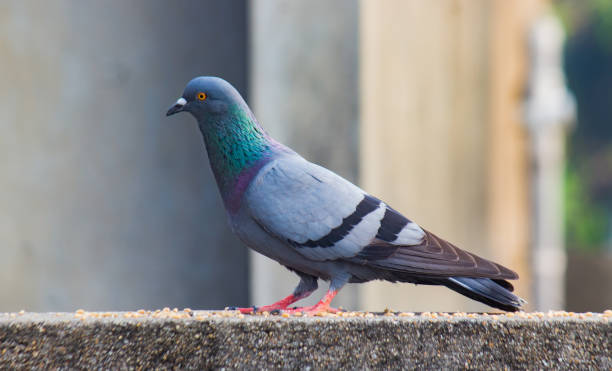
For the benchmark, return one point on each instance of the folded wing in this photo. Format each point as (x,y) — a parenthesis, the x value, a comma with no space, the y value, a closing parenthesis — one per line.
(325,217)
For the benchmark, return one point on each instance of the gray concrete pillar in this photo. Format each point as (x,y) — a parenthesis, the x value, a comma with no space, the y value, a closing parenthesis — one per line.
(106,203)
(304,89)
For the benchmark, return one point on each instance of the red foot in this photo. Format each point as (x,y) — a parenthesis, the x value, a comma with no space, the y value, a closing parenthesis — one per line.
(279,305)
(246,310)
(322,306)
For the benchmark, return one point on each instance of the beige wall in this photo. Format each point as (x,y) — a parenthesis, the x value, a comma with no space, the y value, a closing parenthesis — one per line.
(508,208)
(441,138)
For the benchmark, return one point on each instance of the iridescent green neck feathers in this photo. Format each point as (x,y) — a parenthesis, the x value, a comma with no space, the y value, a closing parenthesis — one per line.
(234,142)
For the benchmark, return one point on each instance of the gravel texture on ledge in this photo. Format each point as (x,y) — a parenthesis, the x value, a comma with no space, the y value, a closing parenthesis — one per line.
(172,339)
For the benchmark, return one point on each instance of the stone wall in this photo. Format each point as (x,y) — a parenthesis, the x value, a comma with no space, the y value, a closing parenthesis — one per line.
(106,203)
(205,340)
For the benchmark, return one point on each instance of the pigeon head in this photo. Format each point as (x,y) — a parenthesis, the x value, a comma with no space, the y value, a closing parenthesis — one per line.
(236,144)
(208,98)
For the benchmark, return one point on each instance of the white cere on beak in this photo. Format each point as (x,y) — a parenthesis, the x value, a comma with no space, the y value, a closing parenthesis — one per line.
(181,101)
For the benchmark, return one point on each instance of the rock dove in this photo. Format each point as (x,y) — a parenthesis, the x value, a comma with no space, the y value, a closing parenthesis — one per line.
(318,224)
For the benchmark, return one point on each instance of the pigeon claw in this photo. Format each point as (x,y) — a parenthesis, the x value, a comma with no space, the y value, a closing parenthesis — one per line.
(321,307)
(282,305)
(272,308)
(248,310)
(313,310)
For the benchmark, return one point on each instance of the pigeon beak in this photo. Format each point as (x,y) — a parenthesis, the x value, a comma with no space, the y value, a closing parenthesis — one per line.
(177,107)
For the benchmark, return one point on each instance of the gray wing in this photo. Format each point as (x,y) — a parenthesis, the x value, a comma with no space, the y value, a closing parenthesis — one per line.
(318,213)
(325,217)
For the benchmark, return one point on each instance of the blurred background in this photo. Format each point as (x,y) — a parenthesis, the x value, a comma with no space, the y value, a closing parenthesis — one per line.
(487,122)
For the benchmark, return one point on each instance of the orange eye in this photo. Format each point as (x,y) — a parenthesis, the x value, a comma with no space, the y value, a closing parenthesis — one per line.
(201,96)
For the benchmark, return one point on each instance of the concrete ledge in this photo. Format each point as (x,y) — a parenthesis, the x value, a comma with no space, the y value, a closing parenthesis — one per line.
(203,340)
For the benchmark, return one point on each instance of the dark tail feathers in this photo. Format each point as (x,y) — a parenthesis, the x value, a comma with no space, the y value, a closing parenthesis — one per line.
(487,291)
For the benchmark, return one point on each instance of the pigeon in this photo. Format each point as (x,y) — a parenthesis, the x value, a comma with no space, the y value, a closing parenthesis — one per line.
(318,224)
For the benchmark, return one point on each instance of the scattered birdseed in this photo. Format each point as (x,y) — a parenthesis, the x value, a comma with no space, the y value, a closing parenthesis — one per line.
(187,314)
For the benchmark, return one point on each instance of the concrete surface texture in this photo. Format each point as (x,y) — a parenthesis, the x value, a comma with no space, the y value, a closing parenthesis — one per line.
(106,203)
(188,339)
